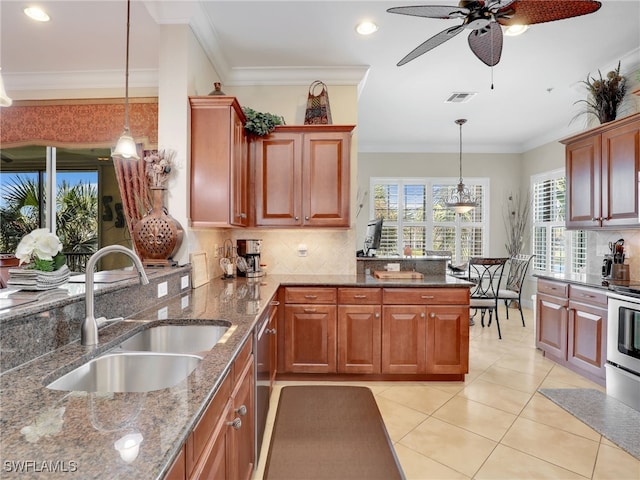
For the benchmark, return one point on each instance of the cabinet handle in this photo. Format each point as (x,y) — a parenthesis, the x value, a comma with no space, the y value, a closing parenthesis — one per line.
(596,219)
(311,297)
(309,310)
(270,331)
(243,215)
(236,424)
(422,315)
(359,296)
(426,297)
(241,410)
(586,295)
(275,303)
(432,315)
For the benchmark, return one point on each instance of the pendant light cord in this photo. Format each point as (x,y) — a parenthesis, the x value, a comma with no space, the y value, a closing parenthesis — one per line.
(126,73)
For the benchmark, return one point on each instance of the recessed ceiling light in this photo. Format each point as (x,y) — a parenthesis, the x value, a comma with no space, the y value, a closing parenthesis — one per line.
(366,28)
(36,13)
(515,30)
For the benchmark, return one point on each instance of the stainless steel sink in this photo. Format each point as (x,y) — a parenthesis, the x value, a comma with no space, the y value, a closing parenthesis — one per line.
(128,372)
(176,338)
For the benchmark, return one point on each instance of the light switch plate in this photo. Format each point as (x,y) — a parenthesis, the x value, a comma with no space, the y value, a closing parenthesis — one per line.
(184,282)
(163,313)
(162,289)
(184,302)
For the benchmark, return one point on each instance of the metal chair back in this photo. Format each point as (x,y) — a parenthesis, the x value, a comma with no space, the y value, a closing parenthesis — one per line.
(486,273)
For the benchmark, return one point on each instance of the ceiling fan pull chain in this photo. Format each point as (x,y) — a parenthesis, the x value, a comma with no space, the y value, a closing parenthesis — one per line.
(492,77)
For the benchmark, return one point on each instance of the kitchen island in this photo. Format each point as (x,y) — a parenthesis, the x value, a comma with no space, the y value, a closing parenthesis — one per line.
(52,433)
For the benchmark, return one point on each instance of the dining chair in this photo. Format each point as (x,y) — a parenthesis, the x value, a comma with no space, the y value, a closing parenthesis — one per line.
(512,291)
(486,274)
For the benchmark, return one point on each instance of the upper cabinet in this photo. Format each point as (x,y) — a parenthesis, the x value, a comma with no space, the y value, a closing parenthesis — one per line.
(302,176)
(219,190)
(602,168)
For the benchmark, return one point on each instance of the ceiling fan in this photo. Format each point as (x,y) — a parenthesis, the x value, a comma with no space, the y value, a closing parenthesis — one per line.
(484,19)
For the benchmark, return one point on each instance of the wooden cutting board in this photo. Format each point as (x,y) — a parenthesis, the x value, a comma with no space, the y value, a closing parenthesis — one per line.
(402,274)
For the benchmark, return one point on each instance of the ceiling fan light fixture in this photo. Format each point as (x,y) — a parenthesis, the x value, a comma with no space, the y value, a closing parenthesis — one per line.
(461,200)
(37,14)
(126,145)
(515,30)
(366,28)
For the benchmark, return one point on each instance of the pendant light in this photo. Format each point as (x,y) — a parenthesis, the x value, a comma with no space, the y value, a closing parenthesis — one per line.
(126,146)
(5,101)
(461,200)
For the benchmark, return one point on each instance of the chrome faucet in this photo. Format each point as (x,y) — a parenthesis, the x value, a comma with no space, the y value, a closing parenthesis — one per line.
(89,329)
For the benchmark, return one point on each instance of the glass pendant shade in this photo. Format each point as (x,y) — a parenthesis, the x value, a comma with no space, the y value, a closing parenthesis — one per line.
(126,146)
(5,101)
(461,200)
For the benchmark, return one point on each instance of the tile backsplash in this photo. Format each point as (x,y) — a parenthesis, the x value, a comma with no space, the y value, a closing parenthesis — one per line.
(598,242)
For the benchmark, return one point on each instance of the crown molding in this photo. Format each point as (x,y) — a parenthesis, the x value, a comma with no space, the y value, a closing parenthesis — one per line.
(147,78)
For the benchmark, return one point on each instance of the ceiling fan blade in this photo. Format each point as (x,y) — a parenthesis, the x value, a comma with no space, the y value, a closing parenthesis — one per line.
(433,42)
(486,43)
(432,11)
(528,12)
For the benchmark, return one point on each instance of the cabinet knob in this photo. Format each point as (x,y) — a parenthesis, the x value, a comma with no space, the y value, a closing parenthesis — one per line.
(377,315)
(309,310)
(297,218)
(596,219)
(270,331)
(306,217)
(241,410)
(235,424)
(432,315)
(243,215)
(422,315)
(427,297)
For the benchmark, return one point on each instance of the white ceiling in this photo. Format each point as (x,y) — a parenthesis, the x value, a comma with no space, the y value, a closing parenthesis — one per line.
(295,42)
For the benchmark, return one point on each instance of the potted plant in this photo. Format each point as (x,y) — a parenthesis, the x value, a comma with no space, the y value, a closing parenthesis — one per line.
(260,124)
(605,95)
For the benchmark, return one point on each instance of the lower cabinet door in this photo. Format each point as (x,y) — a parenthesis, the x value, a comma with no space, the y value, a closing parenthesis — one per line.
(242,450)
(213,465)
(403,339)
(586,343)
(359,340)
(552,325)
(448,339)
(310,338)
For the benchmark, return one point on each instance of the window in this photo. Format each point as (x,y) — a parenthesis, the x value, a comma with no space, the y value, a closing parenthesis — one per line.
(415,216)
(556,249)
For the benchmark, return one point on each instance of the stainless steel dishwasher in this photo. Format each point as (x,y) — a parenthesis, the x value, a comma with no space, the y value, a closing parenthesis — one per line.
(265,369)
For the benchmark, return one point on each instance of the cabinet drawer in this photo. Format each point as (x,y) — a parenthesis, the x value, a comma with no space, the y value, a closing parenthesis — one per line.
(310,295)
(201,433)
(557,289)
(359,296)
(426,296)
(241,360)
(591,296)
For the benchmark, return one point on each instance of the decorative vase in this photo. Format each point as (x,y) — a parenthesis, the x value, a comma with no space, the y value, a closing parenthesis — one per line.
(157,235)
(217,89)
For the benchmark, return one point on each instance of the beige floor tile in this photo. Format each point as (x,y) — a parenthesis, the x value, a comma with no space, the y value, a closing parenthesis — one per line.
(615,464)
(452,446)
(497,396)
(556,446)
(512,379)
(419,467)
(505,463)
(422,398)
(398,419)
(475,417)
(563,375)
(541,409)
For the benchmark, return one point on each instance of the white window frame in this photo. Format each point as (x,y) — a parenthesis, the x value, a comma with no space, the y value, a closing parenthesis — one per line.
(428,223)
(569,260)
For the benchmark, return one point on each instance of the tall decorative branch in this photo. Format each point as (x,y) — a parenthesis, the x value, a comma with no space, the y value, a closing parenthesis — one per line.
(516,218)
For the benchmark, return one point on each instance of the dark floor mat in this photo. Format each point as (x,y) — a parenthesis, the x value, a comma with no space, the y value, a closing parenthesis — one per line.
(609,417)
(330,433)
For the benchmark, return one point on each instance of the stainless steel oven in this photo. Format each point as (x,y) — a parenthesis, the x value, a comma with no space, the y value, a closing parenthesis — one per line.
(623,346)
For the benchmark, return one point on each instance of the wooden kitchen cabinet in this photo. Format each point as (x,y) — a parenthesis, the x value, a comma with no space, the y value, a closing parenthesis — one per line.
(302,176)
(572,326)
(602,167)
(219,188)
(425,330)
(359,330)
(310,319)
(221,445)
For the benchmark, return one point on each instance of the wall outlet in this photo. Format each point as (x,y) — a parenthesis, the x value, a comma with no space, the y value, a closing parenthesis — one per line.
(184,282)
(302,250)
(184,302)
(393,267)
(163,289)
(163,313)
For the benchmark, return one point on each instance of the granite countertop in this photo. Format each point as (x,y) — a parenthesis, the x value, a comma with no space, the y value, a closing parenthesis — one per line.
(587,280)
(55,432)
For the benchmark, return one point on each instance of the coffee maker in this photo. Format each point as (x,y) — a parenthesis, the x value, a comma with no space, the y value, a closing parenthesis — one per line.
(248,261)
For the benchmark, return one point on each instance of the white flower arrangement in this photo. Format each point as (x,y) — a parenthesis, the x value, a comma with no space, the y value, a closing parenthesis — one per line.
(41,250)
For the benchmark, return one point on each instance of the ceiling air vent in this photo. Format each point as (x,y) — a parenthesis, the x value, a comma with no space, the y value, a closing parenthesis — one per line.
(460,97)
